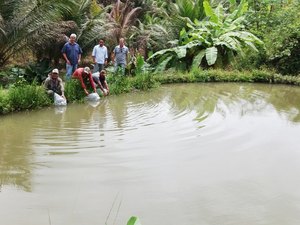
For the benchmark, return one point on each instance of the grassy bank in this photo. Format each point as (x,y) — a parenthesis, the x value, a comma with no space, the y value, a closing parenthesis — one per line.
(28,97)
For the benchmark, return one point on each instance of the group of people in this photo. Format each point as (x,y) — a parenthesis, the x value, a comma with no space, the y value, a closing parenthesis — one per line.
(72,55)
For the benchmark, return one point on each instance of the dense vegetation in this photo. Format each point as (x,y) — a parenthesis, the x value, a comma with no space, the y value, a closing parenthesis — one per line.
(191,37)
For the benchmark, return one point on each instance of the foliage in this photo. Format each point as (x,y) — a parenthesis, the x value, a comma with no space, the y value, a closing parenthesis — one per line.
(37,72)
(137,65)
(27,97)
(155,29)
(186,11)
(118,84)
(122,20)
(282,38)
(144,82)
(219,75)
(73,91)
(277,24)
(133,221)
(10,76)
(4,103)
(21,21)
(210,42)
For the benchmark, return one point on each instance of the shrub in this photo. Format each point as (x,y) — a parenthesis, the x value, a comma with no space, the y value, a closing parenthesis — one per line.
(144,81)
(27,97)
(74,91)
(118,84)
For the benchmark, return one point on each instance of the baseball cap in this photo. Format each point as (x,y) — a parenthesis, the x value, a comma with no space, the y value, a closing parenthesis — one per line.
(87,70)
(55,71)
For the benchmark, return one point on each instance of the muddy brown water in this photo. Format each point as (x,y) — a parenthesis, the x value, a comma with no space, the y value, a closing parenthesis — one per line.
(186,154)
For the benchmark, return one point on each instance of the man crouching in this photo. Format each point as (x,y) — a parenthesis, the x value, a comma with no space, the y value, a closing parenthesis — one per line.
(54,84)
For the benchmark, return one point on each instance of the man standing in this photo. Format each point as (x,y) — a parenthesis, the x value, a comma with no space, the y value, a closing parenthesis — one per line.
(100,55)
(85,77)
(53,84)
(72,54)
(120,55)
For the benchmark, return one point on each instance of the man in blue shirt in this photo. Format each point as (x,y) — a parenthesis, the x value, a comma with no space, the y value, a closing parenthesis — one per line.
(72,54)
(120,55)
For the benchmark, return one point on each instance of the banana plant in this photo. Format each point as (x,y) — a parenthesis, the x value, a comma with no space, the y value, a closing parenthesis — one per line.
(213,41)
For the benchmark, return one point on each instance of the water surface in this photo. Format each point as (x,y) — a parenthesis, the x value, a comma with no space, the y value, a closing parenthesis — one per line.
(187,154)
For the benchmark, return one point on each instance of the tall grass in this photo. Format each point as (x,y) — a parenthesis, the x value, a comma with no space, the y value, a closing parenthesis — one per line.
(74,91)
(27,97)
(24,97)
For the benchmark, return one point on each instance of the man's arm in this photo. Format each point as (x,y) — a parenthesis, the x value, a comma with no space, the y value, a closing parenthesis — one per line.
(66,58)
(46,84)
(79,58)
(79,54)
(94,54)
(106,56)
(62,89)
(106,86)
(100,86)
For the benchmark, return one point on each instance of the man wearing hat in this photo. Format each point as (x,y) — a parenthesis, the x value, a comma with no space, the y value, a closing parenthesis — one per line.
(84,75)
(54,84)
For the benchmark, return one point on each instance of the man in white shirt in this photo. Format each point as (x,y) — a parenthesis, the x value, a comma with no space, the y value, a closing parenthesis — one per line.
(100,55)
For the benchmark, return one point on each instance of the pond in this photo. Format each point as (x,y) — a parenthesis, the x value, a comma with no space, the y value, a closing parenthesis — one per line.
(184,154)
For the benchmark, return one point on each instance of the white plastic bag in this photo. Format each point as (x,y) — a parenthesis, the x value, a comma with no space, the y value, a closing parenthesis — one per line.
(59,101)
(105,91)
(93,97)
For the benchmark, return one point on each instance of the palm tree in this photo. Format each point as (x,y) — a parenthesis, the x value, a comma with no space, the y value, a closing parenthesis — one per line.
(122,20)
(20,21)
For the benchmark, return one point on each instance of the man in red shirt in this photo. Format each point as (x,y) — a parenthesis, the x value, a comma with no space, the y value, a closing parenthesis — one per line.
(85,76)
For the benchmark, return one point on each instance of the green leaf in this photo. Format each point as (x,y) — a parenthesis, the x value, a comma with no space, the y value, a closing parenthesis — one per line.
(211,55)
(133,221)
(209,12)
(251,45)
(163,65)
(161,52)
(232,4)
(180,51)
(198,58)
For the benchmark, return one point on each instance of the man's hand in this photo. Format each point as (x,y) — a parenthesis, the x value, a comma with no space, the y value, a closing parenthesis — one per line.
(86,92)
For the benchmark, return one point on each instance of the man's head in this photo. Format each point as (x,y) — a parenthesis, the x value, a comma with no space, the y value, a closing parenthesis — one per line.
(102,73)
(101,42)
(86,70)
(73,38)
(54,74)
(121,42)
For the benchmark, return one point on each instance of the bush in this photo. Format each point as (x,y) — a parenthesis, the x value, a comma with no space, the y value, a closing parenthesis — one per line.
(74,91)
(118,84)
(4,104)
(144,82)
(27,97)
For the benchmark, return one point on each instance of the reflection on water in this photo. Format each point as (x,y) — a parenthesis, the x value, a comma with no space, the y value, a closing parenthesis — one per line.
(181,154)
